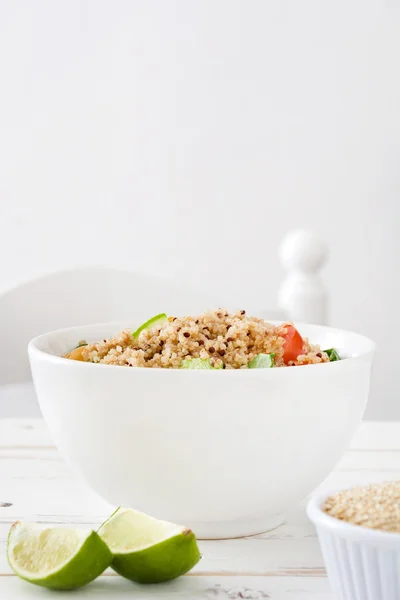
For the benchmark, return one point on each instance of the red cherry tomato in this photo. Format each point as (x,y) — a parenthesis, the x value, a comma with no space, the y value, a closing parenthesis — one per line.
(294,344)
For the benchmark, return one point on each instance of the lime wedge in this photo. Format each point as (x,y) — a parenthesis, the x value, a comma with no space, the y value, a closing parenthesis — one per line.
(157,321)
(262,361)
(198,363)
(332,354)
(58,558)
(146,550)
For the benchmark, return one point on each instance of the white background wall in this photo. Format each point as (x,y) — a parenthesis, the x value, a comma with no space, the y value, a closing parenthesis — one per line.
(187,136)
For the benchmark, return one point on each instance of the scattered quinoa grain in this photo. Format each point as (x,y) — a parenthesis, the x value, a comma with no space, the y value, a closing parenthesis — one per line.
(211,349)
(186,334)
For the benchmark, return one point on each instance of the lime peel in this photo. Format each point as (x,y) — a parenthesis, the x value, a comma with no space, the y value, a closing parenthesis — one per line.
(57,558)
(147,550)
(157,321)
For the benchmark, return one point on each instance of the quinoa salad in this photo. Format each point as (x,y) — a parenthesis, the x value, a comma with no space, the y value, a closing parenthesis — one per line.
(213,340)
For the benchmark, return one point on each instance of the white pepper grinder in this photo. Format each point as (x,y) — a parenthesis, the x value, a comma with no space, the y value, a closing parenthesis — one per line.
(302,294)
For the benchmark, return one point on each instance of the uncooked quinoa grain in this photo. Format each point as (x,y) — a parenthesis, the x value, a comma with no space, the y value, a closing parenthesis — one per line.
(230,340)
(376,506)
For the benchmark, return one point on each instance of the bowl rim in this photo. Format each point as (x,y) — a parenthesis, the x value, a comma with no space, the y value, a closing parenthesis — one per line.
(344,529)
(35,351)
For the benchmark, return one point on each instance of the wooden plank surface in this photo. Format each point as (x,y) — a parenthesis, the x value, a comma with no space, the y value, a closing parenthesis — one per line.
(36,484)
(186,588)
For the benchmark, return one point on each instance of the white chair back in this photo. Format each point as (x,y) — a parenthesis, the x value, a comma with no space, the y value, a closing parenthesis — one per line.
(77,297)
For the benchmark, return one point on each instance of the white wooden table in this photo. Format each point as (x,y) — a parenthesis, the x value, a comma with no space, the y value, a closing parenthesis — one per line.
(35,484)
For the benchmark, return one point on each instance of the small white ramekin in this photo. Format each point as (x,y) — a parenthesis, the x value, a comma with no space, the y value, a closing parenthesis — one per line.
(362,563)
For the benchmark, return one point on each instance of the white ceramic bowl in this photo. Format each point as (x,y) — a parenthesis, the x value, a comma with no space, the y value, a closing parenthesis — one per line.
(362,564)
(224,452)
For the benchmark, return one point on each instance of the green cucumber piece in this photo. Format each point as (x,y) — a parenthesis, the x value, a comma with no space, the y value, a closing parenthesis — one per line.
(262,361)
(198,363)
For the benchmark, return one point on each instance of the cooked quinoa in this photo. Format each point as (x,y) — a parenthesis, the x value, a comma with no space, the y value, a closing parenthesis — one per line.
(375,506)
(226,340)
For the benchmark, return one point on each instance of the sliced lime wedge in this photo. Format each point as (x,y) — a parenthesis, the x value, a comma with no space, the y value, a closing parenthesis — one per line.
(262,361)
(157,321)
(332,354)
(199,363)
(147,550)
(58,558)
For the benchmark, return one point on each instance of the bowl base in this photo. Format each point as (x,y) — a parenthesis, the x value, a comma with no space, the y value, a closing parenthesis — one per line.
(235,529)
